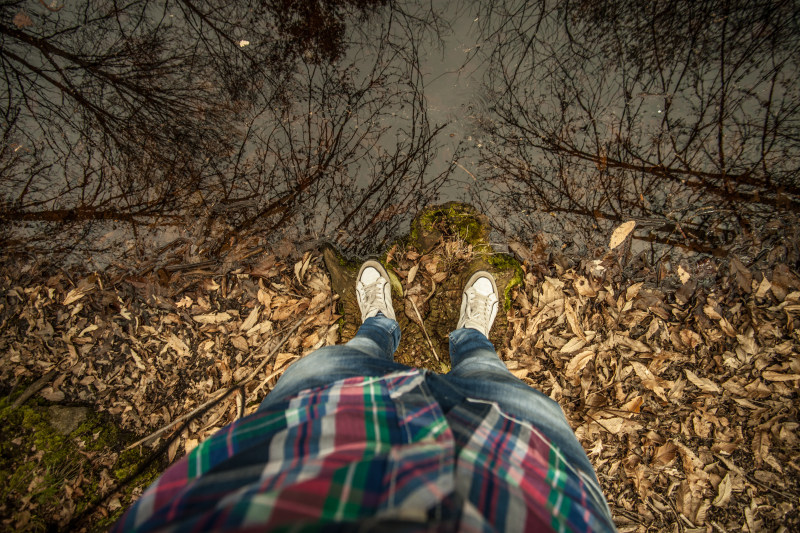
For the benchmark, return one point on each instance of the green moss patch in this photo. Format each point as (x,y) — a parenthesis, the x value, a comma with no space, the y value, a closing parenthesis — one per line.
(50,478)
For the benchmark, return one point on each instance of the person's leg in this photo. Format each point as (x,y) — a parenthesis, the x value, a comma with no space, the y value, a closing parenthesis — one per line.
(369,353)
(479,374)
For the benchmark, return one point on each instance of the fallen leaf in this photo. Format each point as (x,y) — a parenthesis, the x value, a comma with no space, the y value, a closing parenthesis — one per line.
(22,20)
(769,375)
(283,358)
(212,318)
(683,274)
(634,405)
(251,319)
(412,273)
(665,454)
(239,343)
(742,274)
(703,384)
(52,395)
(572,319)
(621,233)
(577,363)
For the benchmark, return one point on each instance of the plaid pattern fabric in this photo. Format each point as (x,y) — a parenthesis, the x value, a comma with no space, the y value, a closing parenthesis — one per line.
(373,454)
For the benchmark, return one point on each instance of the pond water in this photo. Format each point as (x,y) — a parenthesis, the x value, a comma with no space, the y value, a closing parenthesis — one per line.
(127,127)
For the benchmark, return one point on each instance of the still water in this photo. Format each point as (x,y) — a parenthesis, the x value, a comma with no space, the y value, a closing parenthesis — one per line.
(127,127)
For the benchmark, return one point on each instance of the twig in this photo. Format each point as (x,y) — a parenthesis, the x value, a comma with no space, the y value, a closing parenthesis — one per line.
(459,165)
(156,433)
(266,379)
(422,325)
(35,387)
(274,351)
(222,393)
(240,400)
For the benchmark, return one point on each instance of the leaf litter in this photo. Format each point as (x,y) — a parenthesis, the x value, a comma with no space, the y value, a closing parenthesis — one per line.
(681,387)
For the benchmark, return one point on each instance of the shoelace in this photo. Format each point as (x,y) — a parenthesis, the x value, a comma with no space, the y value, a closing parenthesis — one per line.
(479,310)
(373,295)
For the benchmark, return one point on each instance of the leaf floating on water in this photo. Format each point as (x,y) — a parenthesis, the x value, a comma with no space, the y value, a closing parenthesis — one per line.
(621,233)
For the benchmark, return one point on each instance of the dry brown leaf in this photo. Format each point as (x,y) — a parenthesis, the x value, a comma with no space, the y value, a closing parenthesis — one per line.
(301,267)
(634,405)
(439,277)
(212,318)
(173,449)
(763,288)
(683,275)
(85,286)
(577,363)
(178,345)
(633,291)
(761,443)
(742,274)
(283,358)
(572,320)
(665,454)
(726,327)
(412,273)
(311,340)
(520,373)
(619,235)
(573,345)
(649,380)
(51,395)
(703,384)
(690,338)
(711,313)
(190,445)
(239,343)
(584,288)
(769,375)
(22,20)
(251,319)
(617,425)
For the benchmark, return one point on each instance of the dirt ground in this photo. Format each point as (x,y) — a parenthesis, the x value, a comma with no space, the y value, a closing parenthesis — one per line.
(680,379)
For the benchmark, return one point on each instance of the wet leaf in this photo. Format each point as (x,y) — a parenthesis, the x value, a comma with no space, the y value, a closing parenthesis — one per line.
(742,275)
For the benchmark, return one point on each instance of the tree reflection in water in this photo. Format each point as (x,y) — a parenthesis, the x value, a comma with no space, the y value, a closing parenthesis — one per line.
(246,118)
(680,115)
(249,116)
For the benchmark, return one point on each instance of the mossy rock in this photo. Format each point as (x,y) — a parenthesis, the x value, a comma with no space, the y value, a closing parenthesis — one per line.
(53,473)
(433,231)
(450,220)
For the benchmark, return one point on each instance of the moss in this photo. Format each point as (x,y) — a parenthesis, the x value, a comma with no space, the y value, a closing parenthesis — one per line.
(507,262)
(38,463)
(452,219)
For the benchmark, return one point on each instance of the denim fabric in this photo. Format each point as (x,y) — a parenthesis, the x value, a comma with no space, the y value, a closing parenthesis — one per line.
(477,374)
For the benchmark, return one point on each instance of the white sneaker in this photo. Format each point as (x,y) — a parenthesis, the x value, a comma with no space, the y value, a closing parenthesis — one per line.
(374,291)
(479,303)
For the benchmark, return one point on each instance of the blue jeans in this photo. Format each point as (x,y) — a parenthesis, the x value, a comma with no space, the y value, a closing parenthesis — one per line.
(477,373)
